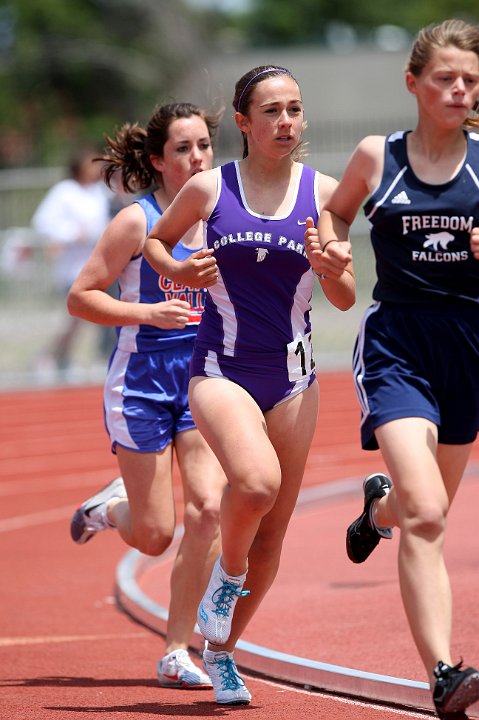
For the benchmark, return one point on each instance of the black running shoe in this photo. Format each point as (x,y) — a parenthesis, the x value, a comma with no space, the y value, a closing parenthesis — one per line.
(455,689)
(361,538)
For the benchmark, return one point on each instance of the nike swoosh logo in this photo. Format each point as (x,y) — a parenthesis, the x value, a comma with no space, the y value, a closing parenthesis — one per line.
(301,223)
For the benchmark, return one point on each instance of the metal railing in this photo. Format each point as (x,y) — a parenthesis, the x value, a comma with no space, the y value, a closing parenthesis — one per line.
(32,314)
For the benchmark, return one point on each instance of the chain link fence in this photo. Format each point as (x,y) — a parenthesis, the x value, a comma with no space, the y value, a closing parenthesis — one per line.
(32,314)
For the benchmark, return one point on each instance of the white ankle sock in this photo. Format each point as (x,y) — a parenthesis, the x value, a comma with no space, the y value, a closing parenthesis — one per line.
(385,533)
(101,514)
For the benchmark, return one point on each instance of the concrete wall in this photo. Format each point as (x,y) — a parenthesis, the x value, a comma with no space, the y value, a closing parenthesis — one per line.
(346,96)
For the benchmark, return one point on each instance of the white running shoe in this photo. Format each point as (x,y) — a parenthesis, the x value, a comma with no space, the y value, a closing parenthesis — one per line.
(228,686)
(91,516)
(177,670)
(216,609)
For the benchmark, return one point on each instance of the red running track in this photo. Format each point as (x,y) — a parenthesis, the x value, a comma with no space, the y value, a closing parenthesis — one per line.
(66,651)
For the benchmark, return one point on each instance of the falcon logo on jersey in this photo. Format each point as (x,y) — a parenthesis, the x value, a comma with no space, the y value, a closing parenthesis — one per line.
(435,249)
(438,240)
(261,254)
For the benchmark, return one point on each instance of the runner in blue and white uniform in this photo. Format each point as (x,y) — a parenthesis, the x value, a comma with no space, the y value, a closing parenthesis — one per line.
(416,360)
(146,390)
(252,390)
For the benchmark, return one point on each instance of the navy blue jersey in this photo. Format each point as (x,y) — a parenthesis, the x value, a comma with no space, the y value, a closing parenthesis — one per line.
(421,232)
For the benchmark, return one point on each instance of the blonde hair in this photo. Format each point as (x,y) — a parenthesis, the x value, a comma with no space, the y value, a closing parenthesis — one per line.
(455,33)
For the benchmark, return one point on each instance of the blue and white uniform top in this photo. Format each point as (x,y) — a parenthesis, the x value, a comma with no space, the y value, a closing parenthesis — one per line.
(146,388)
(261,302)
(140,283)
(420,232)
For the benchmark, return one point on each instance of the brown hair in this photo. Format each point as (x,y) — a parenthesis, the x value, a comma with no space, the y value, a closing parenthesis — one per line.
(129,151)
(455,33)
(244,89)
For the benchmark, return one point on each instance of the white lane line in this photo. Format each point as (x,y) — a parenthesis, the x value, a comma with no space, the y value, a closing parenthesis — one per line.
(307,496)
(338,699)
(19,522)
(48,639)
(57,482)
(278,666)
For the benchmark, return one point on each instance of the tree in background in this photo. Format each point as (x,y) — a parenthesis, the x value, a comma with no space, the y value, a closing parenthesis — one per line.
(282,22)
(70,71)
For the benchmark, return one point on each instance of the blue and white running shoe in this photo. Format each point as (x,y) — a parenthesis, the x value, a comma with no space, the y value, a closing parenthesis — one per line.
(228,686)
(215,612)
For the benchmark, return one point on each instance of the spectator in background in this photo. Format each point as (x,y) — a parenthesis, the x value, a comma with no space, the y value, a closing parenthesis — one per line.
(70,219)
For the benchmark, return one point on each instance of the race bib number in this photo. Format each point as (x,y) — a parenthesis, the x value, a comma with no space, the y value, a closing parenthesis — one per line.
(300,358)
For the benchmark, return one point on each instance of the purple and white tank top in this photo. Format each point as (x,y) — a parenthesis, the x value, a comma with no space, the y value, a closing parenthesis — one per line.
(261,302)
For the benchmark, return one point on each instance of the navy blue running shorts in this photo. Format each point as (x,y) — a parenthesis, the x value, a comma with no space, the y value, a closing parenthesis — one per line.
(419,361)
(146,398)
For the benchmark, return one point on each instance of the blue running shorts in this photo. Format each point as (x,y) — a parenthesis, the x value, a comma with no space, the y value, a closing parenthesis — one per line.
(146,398)
(419,361)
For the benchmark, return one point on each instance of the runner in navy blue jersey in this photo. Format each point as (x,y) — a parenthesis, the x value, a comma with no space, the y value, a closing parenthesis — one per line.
(146,390)
(253,392)
(416,360)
